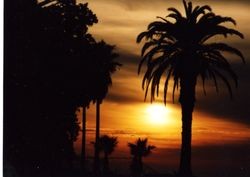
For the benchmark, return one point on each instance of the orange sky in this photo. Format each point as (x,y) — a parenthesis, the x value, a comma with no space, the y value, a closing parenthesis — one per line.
(129,122)
(217,120)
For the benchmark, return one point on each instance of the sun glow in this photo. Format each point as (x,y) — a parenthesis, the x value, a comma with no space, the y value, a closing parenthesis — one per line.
(158,114)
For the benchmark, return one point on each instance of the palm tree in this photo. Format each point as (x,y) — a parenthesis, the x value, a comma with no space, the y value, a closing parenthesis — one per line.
(104,65)
(107,145)
(139,150)
(180,48)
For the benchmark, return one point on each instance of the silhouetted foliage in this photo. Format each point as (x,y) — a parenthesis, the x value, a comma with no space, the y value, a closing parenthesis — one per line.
(107,146)
(139,150)
(179,47)
(105,65)
(47,65)
(75,45)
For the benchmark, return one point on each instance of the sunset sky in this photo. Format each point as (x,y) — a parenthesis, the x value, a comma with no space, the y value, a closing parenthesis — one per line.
(221,127)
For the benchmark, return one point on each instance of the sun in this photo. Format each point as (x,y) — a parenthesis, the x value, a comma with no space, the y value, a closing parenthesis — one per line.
(157,114)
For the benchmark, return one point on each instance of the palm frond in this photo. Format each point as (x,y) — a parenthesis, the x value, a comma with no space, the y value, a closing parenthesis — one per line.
(146,46)
(216,20)
(190,8)
(227,68)
(156,78)
(226,48)
(202,9)
(203,78)
(220,30)
(175,16)
(171,9)
(211,73)
(148,56)
(224,79)
(198,11)
(166,84)
(161,64)
(157,24)
(205,18)
(176,82)
(141,36)
(185,7)
(147,78)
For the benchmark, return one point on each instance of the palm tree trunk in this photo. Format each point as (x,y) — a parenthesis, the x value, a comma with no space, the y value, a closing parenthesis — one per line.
(83,154)
(140,165)
(187,100)
(97,137)
(106,164)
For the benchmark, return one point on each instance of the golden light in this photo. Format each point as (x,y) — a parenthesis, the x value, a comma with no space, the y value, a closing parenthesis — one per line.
(158,114)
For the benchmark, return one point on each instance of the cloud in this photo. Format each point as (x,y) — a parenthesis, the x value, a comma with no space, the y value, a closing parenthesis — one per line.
(221,105)
(124,99)
(120,21)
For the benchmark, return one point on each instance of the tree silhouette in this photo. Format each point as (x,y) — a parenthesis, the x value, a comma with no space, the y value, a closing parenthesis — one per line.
(47,51)
(180,48)
(107,145)
(74,21)
(139,150)
(104,66)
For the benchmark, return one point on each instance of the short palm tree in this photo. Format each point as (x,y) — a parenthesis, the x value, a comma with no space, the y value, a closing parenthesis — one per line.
(139,150)
(107,145)
(178,46)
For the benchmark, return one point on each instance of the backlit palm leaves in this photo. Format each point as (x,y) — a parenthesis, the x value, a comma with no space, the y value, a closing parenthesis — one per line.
(139,150)
(178,44)
(181,47)
(107,145)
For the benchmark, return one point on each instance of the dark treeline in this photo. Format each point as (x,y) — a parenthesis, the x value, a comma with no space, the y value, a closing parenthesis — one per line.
(52,66)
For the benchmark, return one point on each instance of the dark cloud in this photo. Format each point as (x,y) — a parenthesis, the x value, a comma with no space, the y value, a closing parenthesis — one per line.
(236,109)
(129,59)
(121,98)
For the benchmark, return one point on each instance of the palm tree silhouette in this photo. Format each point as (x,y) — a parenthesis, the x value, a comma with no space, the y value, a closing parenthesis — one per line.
(139,150)
(104,66)
(107,145)
(180,48)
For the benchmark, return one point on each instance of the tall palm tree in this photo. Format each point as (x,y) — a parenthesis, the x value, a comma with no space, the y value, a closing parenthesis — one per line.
(139,150)
(107,145)
(180,48)
(104,65)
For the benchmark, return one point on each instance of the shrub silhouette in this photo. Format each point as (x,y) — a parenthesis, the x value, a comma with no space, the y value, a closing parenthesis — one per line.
(107,146)
(138,150)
